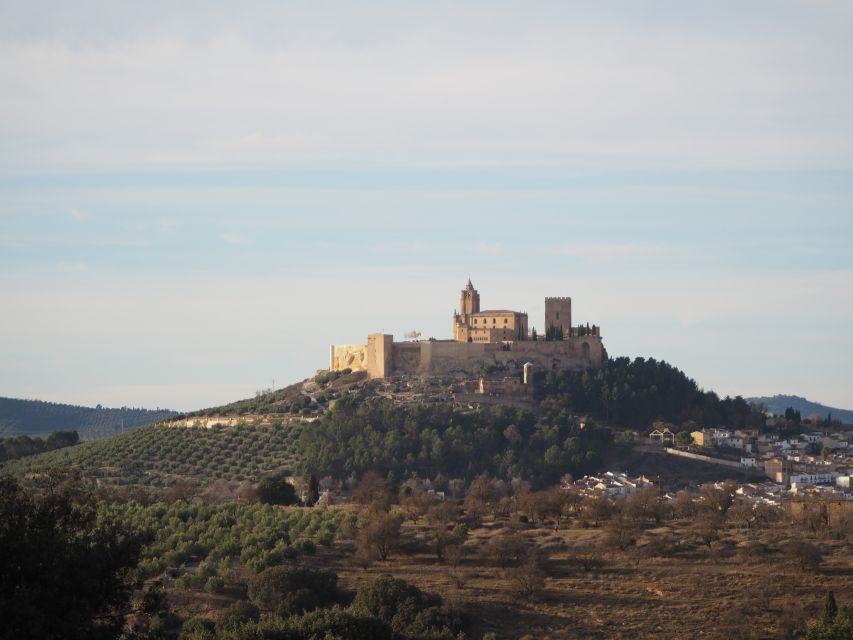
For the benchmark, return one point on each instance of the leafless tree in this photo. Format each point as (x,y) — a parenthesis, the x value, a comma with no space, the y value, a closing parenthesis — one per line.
(505,549)
(622,530)
(805,555)
(415,502)
(707,527)
(380,537)
(373,492)
(528,579)
(684,505)
(482,496)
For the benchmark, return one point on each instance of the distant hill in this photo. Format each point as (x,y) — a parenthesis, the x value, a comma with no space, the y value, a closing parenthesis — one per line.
(777,404)
(39,418)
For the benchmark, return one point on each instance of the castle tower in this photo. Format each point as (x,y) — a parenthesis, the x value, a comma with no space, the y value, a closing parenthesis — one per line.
(558,316)
(469,302)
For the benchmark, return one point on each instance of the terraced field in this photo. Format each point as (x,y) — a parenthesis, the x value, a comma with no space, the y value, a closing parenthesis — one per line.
(163,454)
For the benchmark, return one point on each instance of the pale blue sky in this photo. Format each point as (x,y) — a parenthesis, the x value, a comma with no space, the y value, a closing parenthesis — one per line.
(192,200)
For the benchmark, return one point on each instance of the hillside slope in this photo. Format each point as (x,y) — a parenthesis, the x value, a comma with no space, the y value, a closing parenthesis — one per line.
(36,417)
(162,454)
(778,403)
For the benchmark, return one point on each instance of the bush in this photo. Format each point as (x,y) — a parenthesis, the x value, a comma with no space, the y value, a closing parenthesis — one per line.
(837,627)
(238,613)
(406,608)
(305,546)
(160,625)
(198,628)
(333,622)
(288,590)
(214,584)
(276,490)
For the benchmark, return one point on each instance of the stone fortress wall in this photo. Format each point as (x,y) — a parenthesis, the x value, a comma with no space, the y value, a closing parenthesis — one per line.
(381,357)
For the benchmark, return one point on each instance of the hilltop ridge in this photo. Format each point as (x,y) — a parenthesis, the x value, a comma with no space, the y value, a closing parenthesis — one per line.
(778,403)
(20,417)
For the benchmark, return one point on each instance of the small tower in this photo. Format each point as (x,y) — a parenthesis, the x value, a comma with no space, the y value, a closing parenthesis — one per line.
(558,316)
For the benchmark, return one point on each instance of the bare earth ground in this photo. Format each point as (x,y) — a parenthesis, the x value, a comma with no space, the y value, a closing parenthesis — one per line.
(695,594)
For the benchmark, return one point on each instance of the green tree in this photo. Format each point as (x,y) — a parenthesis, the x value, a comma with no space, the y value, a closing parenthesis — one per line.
(276,490)
(839,628)
(60,439)
(64,572)
(293,590)
(410,611)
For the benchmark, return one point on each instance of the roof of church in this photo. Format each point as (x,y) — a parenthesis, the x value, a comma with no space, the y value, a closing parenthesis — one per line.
(494,311)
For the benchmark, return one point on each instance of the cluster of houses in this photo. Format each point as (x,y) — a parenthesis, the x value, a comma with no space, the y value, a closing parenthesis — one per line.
(801,463)
(618,484)
(613,483)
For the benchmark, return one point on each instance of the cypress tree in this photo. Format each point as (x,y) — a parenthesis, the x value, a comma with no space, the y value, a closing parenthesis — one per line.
(830,608)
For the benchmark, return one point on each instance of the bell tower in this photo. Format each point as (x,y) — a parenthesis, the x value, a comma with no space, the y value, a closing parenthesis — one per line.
(470,301)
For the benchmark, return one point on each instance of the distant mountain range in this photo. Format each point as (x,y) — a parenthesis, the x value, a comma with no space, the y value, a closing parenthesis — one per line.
(778,404)
(39,418)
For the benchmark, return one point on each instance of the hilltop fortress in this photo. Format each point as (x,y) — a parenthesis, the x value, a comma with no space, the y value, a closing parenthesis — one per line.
(491,337)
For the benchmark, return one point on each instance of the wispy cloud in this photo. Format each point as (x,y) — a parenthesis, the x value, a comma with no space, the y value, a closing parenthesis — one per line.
(72,267)
(235,239)
(565,84)
(606,250)
(78,214)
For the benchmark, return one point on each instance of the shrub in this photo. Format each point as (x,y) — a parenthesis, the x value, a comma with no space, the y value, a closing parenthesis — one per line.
(287,590)
(198,628)
(276,490)
(305,546)
(238,613)
(406,608)
(335,622)
(185,582)
(214,584)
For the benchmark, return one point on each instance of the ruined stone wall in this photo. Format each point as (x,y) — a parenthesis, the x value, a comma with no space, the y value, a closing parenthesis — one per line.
(348,356)
(406,357)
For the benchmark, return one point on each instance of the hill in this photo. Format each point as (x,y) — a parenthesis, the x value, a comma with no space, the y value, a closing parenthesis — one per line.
(778,403)
(162,455)
(342,425)
(39,418)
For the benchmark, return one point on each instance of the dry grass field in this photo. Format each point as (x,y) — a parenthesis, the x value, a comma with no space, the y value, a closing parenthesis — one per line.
(746,585)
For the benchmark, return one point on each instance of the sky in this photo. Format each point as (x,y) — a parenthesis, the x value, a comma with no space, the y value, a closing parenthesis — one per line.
(198,198)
